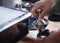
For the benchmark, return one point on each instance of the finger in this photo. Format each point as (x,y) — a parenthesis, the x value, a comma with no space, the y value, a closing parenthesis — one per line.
(34,12)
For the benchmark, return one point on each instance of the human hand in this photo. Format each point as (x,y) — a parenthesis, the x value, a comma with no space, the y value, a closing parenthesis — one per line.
(44,5)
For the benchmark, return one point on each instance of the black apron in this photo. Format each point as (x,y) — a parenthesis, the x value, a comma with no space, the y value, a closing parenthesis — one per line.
(55,13)
(56,8)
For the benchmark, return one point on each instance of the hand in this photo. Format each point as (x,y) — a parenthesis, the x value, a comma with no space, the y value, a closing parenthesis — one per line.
(44,5)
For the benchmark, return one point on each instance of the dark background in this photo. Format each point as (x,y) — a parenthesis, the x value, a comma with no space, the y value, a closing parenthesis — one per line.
(33,1)
(0,2)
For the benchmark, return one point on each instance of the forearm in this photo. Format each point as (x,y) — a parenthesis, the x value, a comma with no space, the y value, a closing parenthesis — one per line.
(53,38)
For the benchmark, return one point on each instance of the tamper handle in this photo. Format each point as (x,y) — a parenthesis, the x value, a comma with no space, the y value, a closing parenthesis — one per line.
(39,10)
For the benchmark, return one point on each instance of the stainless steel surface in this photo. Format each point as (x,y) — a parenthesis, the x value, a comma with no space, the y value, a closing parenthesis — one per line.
(40,25)
(28,5)
(9,17)
(44,22)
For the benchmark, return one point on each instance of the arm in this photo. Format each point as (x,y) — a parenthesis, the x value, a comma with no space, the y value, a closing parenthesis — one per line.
(53,38)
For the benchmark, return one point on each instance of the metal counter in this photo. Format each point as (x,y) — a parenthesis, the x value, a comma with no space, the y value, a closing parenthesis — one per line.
(9,17)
